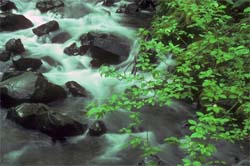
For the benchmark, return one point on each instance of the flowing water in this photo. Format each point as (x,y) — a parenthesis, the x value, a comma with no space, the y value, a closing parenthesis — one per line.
(20,146)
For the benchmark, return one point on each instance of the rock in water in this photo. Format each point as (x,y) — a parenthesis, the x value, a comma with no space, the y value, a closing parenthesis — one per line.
(106,48)
(98,128)
(14,22)
(6,5)
(75,89)
(60,37)
(108,2)
(24,64)
(46,5)
(153,159)
(71,50)
(15,46)
(41,117)
(4,55)
(29,87)
(46,28)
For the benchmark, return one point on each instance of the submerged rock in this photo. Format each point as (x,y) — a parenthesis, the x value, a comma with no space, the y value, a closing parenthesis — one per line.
(24,64)
(29,87)
(6,5)
(14,22)
(46,5)
(98,128)
(46,28)
(15,46)
(60,37)
(10,74)
(75,89)
(4,55)
(41,117)
(106,48)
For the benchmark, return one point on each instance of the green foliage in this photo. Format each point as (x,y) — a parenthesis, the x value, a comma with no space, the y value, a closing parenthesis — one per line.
(212,52)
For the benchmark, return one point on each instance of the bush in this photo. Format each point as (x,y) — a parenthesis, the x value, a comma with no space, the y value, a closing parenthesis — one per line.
(209,40)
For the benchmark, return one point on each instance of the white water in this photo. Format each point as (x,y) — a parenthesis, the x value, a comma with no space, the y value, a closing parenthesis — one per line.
(73,68)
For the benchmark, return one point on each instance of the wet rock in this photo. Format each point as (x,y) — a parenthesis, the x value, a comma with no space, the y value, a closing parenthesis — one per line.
(24,64)
(51,61)
(6,5)
(14,22)
(4,55)
(83,49)
(46,5)
(46,28)
(41,117)
(60,37)
(146,4)
(10,74)
(106,48)
(29,87)
(153,159)
(75,89)
(71,50)
(128,9)
(108,2)
(98,128)
(15,46)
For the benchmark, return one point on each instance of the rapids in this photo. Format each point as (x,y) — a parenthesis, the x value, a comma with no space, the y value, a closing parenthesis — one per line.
(21,146)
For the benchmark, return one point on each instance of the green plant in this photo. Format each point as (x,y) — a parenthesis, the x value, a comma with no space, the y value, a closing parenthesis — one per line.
(212,53)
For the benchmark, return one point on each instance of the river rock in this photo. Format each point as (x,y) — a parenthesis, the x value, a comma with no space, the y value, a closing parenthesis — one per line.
(14,22)
(60,37)
(128,9)
(4,55)
(71,50)
(98,128)
(15,46)
(151,159)
(75,89)
(29,87)
(9,74)
(41,117)
(46,5)
(46,28)
(6,5)
(108,2)
(146,4)
(24,64)
(106,48)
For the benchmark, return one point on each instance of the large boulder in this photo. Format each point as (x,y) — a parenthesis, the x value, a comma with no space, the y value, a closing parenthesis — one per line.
(24,64)
(46,28)
(13,22)
(6,5)
(106,48)
(15,46)
(29,87)
(75,89)
(40,117)
(46,5)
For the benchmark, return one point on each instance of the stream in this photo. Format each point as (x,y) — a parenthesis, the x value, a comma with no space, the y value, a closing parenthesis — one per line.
(21,146)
